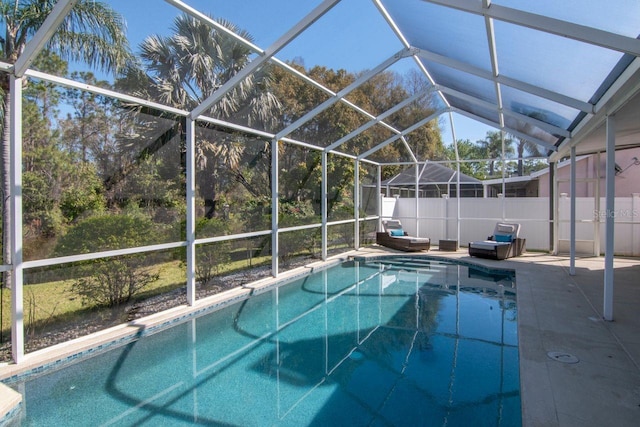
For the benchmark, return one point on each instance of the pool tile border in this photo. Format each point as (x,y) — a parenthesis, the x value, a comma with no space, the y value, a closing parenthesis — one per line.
(10,404)
(479,266)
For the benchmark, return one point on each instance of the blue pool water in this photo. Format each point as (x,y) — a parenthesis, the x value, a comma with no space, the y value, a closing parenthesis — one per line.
(398,342)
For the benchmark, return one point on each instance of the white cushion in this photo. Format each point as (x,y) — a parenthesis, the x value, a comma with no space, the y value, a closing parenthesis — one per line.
(505,228)
(392,225)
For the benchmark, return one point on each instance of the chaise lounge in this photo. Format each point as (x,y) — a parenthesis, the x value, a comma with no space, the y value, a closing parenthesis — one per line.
(504,243)
(393,236)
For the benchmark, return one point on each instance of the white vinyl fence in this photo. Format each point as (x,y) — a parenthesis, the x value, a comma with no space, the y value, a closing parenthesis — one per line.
(436,219)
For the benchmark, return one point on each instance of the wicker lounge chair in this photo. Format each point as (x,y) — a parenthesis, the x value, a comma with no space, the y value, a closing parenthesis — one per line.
(504,243)
(393,236)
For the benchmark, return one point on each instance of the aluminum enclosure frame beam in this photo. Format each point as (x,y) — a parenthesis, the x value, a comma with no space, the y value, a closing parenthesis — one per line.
(198,15)
(275,207)
(396,30)
(376,120)
(546,24)
(15,208)
(160,107)
(342,93)
(356,204)
(572,214)
(190,195)
(610,194)
(514,132)
(505,111)
(279,44)
(507,81)
(491,40)
(404,132)
(60,11)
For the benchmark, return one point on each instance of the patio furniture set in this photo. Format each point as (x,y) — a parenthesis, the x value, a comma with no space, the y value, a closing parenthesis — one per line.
(502,244)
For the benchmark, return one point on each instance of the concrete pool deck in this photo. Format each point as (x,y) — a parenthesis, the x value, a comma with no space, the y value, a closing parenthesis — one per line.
(556,313)
(562,313)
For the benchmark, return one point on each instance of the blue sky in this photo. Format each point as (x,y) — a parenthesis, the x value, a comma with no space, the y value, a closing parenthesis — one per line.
(353,35)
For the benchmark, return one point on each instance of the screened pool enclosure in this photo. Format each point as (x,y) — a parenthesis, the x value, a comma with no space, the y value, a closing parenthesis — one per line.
(165,150)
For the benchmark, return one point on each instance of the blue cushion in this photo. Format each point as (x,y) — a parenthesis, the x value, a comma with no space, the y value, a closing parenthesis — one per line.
(397,232)
(503,238)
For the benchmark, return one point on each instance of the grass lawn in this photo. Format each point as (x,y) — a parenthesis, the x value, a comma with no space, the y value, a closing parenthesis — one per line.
(55,302)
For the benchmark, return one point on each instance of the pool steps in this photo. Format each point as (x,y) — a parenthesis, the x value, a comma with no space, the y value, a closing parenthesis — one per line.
(10,403)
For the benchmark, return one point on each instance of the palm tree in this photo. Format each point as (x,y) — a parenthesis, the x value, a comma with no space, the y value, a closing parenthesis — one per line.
(492,146)
(183,69)
(528,146)
(92,33)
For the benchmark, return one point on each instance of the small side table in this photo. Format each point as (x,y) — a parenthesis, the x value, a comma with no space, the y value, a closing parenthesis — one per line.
(449,245)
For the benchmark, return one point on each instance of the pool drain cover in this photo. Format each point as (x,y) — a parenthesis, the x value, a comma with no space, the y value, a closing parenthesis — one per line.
(560,356)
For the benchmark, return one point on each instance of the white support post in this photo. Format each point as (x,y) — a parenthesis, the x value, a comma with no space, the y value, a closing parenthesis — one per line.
(458,195)
(191,209)
(356,204)
(598,206)
(504,184)
(275,207)
(417,208)
(572,220)
(554,209)
(15,204)
(324,205)
(610,194)
(458,203)
(379,196)
(635,199)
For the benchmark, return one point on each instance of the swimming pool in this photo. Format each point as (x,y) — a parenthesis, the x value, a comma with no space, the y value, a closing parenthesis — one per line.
(400,341)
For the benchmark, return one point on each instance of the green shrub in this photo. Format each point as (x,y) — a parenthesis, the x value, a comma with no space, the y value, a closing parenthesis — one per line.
(211,257)
(113,282)
(84,196)
(110,282)
(106,232)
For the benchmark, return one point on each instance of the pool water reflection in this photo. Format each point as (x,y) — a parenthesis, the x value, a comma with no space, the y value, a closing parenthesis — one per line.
(385,342)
